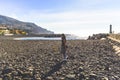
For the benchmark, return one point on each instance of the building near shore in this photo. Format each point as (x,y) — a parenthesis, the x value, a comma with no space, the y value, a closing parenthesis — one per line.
(5,31)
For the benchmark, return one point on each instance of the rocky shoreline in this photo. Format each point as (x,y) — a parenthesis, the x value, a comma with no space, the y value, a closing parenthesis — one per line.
(42,60)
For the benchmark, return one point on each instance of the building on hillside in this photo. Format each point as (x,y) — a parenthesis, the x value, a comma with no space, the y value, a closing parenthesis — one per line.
(4,30)
(3,27)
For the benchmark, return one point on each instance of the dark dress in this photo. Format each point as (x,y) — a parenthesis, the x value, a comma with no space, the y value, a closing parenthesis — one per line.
(63,46)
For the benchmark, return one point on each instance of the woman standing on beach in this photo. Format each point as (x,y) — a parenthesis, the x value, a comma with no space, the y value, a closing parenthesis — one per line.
(63,46)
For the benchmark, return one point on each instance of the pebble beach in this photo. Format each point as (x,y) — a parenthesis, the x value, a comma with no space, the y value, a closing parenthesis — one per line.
(42,60)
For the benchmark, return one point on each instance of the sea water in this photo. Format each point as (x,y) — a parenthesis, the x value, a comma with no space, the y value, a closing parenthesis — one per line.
(45,38)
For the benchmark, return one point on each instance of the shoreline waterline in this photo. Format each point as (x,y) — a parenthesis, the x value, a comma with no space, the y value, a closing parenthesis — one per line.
(36,38)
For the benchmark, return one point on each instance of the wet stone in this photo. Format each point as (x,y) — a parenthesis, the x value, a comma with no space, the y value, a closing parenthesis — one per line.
(15,73)
(105,78)
(70,76)
(81,69)
(62,78)
(92,77)
(7,70)
(49,78)
(81,77)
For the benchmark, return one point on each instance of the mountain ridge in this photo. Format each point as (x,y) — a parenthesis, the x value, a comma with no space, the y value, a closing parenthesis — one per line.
(29,27)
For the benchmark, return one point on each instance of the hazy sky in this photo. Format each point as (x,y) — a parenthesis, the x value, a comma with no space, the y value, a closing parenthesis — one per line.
(80,17)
